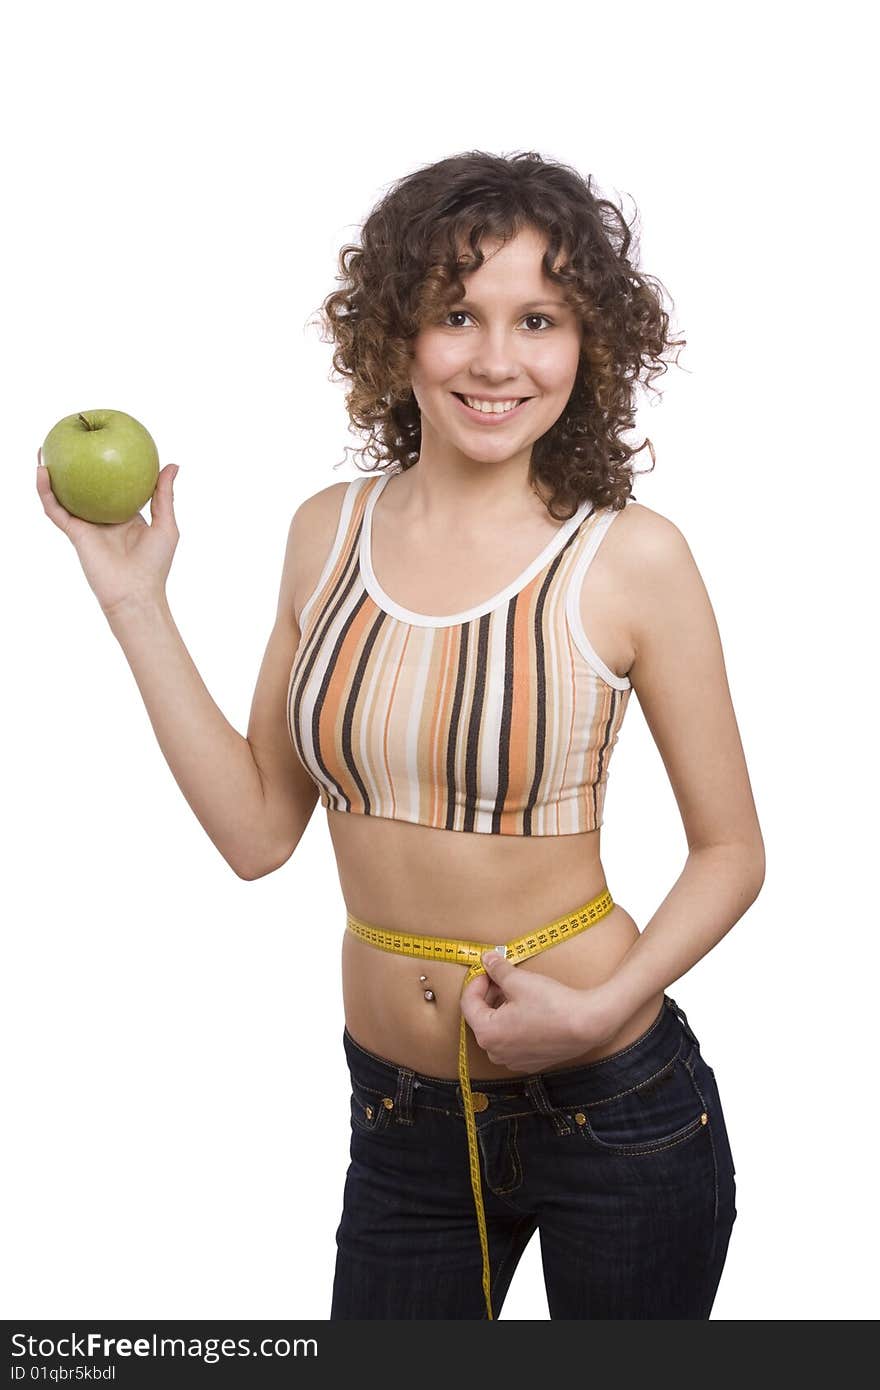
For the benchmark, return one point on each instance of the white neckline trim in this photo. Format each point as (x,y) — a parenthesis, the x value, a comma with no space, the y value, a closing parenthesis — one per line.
(407,615)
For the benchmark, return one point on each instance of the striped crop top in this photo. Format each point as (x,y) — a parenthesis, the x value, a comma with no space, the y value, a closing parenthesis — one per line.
(500,719)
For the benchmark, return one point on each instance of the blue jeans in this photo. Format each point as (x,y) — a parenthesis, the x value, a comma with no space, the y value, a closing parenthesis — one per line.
(623,1165)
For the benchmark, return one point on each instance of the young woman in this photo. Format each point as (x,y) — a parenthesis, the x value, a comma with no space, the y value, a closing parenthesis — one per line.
(456,641)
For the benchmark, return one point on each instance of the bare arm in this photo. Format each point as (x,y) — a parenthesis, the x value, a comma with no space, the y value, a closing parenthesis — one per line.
(289,794)
(252,795)
(679,677)
(254,813)
(212,763)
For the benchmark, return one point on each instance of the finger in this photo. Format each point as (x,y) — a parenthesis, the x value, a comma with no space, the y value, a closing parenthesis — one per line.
(162,500)
(63,519)
(500,970)
(490,958)
(472,1003)
(478,987)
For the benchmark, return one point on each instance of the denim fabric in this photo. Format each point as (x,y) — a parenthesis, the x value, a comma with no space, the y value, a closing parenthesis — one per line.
(632,1191)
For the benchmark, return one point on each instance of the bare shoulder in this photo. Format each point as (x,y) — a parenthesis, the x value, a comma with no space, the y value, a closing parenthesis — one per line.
(657,575)
(679,675)
(312,531)
(640,535)
(637,552)
(319,511)
(644,553)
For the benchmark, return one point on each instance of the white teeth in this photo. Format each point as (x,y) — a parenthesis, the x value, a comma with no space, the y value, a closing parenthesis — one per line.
(492,407)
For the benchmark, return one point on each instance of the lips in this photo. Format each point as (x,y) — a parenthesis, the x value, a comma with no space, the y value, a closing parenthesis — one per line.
(461,398)
(489,419)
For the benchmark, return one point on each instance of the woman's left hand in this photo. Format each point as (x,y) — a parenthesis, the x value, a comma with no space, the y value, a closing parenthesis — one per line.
(527,1022)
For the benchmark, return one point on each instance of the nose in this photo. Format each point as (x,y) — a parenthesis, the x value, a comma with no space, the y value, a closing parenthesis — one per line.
(495,360)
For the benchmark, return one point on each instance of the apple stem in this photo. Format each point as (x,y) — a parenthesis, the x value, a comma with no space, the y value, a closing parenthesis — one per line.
(88,424)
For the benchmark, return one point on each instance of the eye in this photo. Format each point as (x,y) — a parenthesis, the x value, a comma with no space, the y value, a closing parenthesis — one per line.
(462,313)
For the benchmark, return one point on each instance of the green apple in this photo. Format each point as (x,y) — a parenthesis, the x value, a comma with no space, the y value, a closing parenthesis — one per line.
(103,464)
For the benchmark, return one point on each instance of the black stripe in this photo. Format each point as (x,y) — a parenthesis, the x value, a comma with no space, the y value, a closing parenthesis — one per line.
(351,703)
(306,657)
(504,729)
(339,794)
(338,597)
(541,697)
(606,737)
(473,733)
(541,678)
(453,728)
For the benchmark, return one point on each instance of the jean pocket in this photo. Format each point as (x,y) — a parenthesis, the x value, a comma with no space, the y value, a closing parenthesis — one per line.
(660,1112)
(704,1079)
(371,1110)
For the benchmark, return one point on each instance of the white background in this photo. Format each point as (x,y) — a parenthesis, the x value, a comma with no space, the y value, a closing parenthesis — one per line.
(182,178)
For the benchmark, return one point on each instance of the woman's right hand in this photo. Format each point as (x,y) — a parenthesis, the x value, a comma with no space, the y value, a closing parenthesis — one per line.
(126,563)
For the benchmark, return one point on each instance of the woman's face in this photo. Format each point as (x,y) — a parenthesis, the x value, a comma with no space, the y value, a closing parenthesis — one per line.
(512,336)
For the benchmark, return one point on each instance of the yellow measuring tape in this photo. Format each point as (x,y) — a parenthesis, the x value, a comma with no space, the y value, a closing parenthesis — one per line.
(470,953)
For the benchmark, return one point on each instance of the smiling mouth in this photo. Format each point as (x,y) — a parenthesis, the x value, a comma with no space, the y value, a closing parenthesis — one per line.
(519,401)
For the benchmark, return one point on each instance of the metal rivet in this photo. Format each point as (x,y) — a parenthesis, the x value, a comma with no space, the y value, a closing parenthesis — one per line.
(580,1118)
(388,1102)
(368,1111)
(704,1118)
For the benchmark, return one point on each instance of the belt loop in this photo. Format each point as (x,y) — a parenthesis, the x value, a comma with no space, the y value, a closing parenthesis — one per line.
(682,1016)
(403,1100)
(537,1093)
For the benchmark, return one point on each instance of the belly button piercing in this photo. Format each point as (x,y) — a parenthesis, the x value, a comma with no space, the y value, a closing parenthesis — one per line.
(429,993)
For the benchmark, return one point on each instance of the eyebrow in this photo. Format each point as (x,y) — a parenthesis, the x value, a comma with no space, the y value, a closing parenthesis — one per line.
(532,304)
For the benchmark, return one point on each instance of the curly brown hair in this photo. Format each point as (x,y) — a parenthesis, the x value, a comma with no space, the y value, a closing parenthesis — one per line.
(407,270)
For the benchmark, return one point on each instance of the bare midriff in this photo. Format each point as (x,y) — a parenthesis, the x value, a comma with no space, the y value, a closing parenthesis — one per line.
(465,885)
(474,887)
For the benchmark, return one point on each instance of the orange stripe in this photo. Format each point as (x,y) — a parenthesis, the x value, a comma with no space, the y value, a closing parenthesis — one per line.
(572,685)
(578,704)
(439,727)
(522,712)
(336,696)
(387,728)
